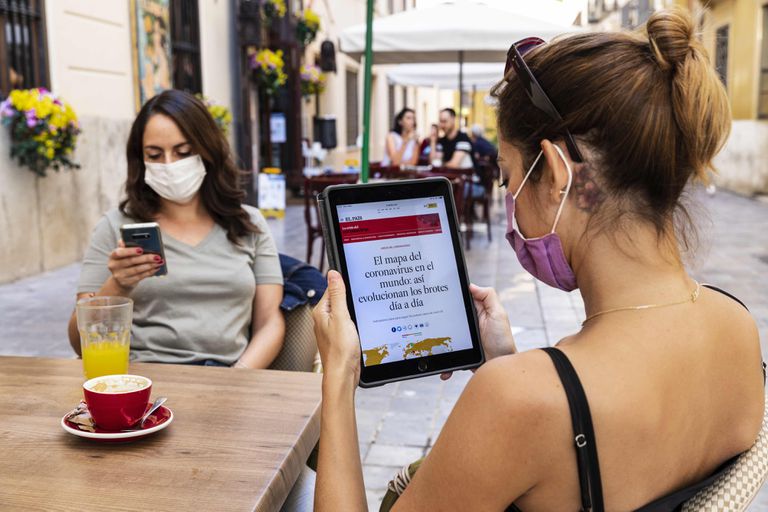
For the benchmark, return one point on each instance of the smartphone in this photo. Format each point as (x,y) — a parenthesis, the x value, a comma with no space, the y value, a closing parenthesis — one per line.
(147,236)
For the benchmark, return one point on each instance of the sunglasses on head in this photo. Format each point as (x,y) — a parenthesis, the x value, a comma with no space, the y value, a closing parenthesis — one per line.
(535,92)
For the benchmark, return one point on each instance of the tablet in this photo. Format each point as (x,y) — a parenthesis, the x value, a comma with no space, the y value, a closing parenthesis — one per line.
(398,248)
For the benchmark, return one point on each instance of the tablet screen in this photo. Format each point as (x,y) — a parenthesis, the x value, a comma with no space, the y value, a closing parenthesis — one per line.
(403,279)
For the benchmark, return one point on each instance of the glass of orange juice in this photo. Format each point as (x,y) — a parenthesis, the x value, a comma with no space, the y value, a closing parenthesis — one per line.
(105,334)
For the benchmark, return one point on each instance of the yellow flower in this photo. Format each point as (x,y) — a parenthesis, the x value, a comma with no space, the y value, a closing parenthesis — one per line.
(44,107)
(311,18)
(49,153)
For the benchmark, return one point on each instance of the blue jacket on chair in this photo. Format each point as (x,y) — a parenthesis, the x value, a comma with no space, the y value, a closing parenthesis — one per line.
(302,283)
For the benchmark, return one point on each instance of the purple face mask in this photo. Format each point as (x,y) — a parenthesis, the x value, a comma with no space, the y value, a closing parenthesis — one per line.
(542,257)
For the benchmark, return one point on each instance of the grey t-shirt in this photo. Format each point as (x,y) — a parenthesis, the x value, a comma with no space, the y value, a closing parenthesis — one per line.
(202,309)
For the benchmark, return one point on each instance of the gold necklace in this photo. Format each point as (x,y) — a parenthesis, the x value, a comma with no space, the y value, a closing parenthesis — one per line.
(692,298)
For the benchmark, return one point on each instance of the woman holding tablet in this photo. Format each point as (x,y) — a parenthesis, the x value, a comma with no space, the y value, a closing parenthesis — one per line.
(600,133)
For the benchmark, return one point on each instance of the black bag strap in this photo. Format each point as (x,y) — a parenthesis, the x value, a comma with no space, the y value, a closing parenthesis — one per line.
(583,432)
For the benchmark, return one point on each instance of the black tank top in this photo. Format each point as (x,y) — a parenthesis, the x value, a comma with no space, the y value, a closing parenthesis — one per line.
(585,443)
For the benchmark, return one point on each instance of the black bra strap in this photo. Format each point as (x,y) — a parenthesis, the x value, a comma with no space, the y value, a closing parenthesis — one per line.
(715,288)
(583,432)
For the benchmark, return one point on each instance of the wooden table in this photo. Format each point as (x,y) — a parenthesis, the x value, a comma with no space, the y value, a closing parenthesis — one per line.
(237,442)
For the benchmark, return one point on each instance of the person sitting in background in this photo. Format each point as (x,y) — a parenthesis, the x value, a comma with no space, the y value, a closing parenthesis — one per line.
(402,142)
(454,149)
(482,147)
(427,145)
(219,303)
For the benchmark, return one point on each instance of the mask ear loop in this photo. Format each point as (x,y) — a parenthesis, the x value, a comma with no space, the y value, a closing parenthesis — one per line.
(565,192)
(533,166)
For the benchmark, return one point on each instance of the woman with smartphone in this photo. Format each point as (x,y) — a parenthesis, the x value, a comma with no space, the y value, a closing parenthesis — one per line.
(218,302)
(661,387)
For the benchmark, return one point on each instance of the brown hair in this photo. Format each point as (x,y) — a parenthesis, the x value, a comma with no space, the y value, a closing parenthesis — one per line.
(220,192)
(646,108)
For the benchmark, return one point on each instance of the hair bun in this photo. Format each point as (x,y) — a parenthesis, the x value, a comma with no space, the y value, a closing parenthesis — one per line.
(670,33)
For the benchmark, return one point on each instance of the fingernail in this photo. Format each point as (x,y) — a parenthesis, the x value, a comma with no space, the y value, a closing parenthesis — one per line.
(139,251)
(159,263)
(158,259)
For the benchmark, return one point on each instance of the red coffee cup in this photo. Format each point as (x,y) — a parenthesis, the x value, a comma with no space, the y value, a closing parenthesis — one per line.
(117,401)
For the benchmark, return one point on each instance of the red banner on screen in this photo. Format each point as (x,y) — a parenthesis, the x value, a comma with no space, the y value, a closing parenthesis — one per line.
(397,227)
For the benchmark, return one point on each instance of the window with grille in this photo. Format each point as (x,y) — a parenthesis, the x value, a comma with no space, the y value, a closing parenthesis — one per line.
(721,53)
(23,54)
(353,114)
(185,45)
(762,100)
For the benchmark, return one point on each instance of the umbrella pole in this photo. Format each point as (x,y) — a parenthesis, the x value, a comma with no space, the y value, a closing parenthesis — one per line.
(461,85)
(367,91)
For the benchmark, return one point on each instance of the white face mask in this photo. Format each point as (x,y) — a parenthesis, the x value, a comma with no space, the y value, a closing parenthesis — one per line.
(178,181)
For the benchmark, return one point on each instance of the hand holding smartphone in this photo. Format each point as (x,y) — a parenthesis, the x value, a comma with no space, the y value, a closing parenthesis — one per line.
(146,236)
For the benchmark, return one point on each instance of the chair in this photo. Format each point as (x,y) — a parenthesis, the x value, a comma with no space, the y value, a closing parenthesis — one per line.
(485,170)
(738,486)
(312,187)
(300,346)
(459,178)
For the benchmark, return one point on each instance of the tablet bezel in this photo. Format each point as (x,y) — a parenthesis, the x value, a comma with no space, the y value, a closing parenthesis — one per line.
(391,191)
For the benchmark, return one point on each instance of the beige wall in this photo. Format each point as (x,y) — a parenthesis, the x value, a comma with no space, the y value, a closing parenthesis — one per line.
(89,48)
(215,50)
(90,56)
(743,164)
(46,222)
(744,17)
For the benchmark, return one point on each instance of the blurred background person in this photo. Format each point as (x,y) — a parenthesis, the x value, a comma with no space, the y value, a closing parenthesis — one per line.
(428,145)
(483,148)
(454,148)
(402,145)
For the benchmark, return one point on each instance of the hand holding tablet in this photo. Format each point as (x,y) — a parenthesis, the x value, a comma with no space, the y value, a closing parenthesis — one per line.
(397,248)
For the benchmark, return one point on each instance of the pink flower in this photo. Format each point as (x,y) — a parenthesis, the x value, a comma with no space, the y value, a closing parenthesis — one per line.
(31,118)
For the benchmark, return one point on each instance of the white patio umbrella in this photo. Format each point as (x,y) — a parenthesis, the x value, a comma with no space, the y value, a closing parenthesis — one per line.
(441,33)
(445,75)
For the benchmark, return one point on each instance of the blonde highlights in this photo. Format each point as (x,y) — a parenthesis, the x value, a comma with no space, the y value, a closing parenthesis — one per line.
(646,107)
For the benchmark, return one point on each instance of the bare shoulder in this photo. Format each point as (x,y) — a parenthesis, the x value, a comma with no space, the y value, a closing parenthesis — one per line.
(520,380)
(526,396)
(736,332)
(503,424)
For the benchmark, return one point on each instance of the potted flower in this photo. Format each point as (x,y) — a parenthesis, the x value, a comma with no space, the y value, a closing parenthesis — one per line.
(307,27)
(273,9)
(312,80)
(269,68)
(220,114)
(43,129)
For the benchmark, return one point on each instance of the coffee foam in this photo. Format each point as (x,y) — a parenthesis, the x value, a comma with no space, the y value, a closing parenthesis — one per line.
(119,384)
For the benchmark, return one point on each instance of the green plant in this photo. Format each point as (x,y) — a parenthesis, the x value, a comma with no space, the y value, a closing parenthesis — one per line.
(269,68)
(312,80)
(43,129)
(220,114)
(307,27)
(273,9)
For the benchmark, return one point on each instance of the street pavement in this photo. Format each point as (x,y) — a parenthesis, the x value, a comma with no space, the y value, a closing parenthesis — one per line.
(398,423)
